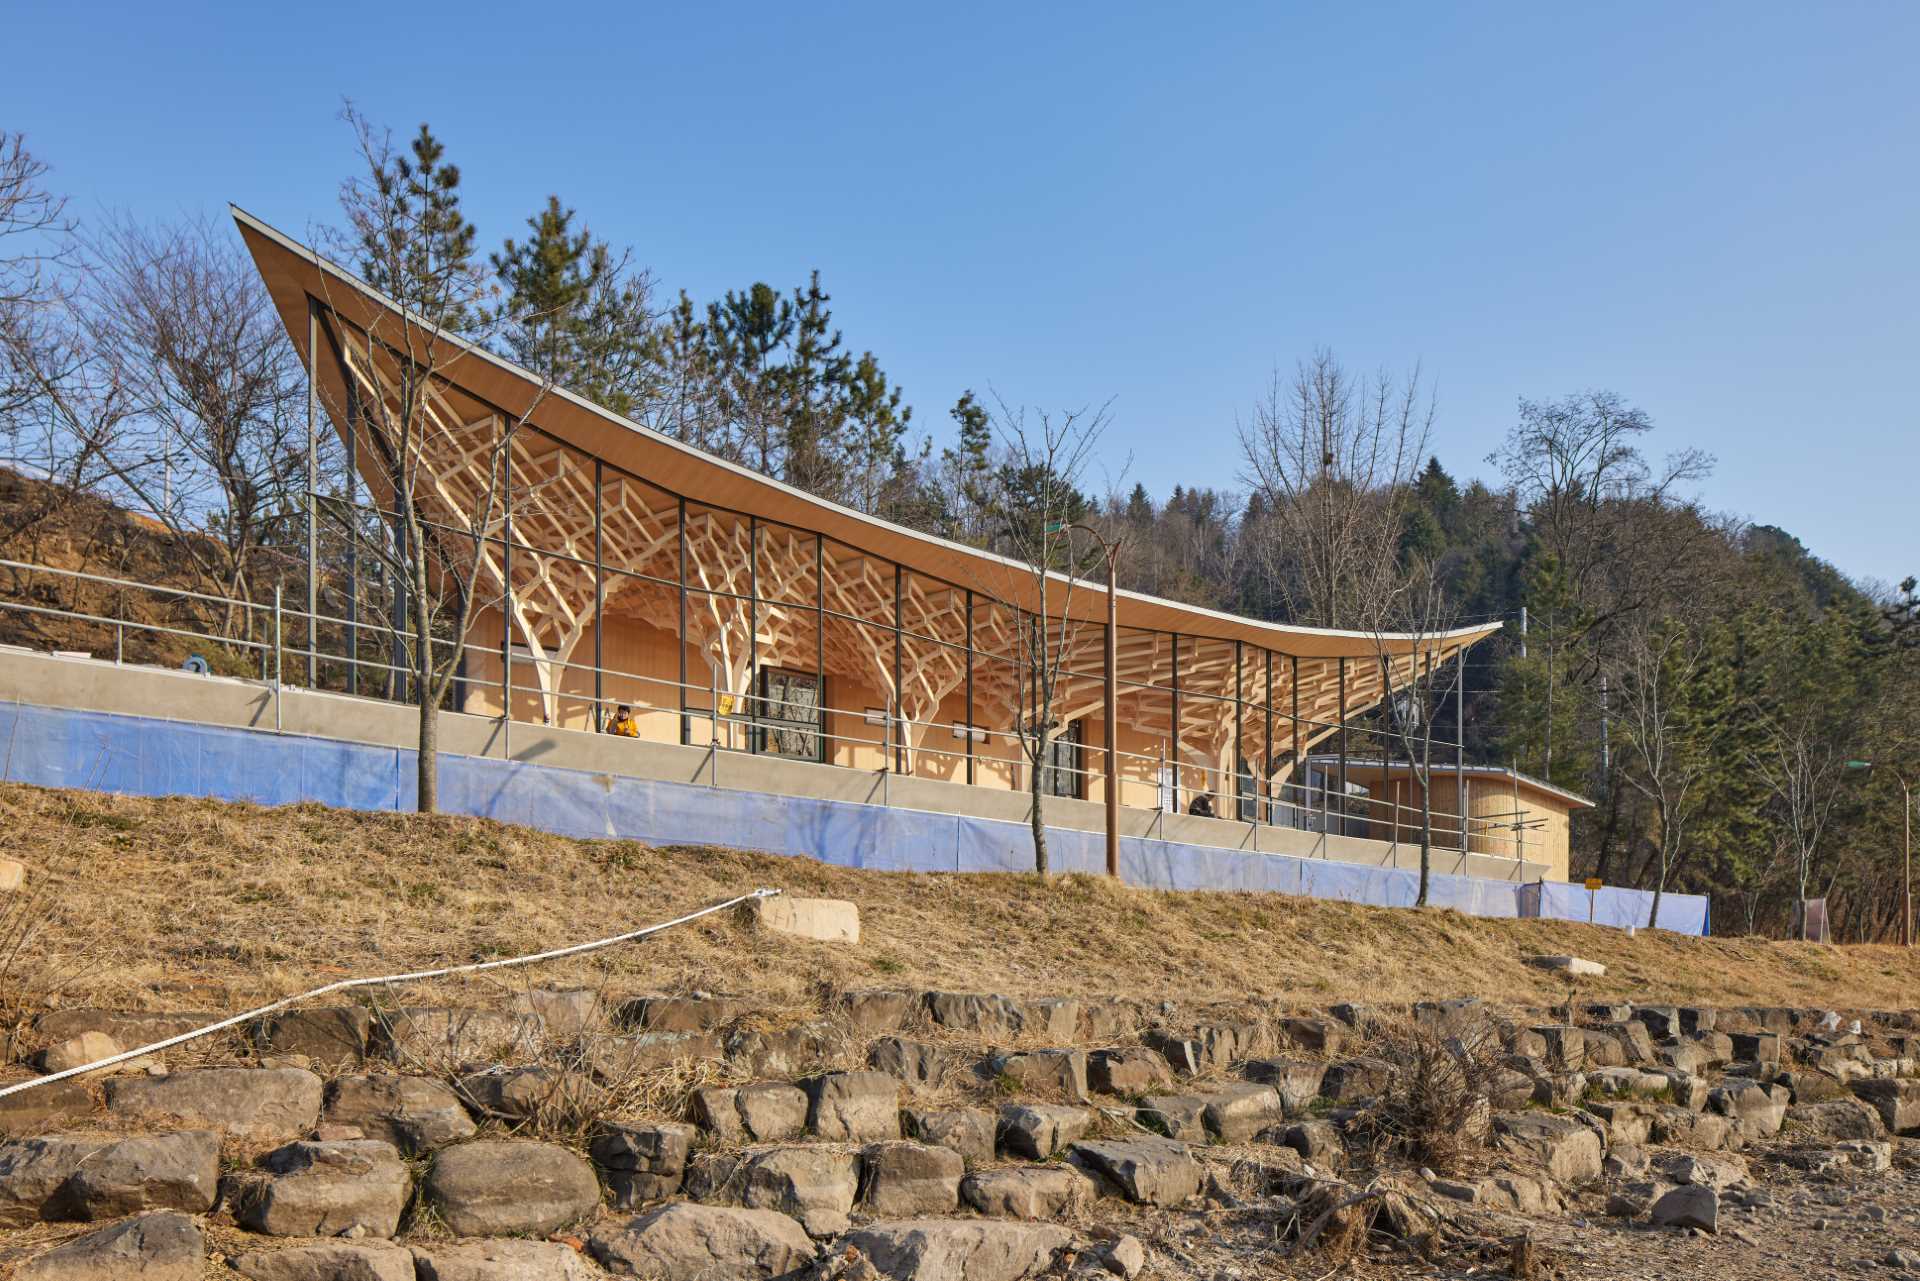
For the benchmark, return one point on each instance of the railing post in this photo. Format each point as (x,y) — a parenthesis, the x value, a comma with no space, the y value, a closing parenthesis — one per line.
(277,658)
(119,643)
(1326,814)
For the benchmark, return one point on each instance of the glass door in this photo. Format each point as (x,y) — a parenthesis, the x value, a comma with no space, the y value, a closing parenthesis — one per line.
(787,715)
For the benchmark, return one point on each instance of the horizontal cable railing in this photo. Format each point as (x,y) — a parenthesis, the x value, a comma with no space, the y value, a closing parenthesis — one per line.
(747,722)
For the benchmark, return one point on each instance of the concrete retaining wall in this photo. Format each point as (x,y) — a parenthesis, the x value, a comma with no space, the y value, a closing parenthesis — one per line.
(216,737)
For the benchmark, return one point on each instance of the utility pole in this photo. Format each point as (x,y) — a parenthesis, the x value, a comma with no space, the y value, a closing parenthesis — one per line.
(1606,748)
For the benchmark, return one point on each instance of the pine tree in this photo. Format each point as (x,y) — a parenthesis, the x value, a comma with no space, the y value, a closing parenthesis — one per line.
(815,380)
(745,332)
(876,427)
(968,466)
(684,371)
(573,313)
(1440,496)
(422,254)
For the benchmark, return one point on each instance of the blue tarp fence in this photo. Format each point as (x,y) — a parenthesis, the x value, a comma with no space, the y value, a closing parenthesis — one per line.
(143,756)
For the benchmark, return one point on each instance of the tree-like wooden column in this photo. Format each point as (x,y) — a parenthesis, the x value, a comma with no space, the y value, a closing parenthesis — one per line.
(547,586)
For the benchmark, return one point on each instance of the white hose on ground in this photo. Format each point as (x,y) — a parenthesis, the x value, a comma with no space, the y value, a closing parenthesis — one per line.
(381,981)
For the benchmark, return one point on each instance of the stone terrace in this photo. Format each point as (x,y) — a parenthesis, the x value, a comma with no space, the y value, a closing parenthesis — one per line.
(980,1136)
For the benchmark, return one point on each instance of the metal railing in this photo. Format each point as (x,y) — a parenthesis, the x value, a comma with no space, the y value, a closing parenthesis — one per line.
(745,722)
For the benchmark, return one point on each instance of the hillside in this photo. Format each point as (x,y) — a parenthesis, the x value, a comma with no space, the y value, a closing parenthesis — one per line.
(769,1108)
(48,525)
(197,904)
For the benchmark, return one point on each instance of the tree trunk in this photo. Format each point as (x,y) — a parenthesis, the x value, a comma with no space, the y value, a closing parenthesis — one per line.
(427,758)
(1423,772)
(1608,832)
(1426,852)
(1659,888)
(1802,908)
(1039,817)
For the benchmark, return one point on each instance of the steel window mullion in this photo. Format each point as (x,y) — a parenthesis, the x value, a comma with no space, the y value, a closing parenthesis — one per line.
(599,601)
(1240,763)
(750,702)
(1174,784)
(1297,772)
(686,724)
(1266,750)
(820,643)
(899,700)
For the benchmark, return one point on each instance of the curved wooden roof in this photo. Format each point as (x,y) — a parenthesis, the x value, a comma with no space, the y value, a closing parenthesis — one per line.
(295,273)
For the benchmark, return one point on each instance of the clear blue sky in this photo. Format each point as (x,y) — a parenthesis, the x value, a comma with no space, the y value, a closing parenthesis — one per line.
(1711,209)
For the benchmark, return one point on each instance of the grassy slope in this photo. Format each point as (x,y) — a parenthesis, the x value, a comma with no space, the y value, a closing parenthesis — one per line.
(197,904)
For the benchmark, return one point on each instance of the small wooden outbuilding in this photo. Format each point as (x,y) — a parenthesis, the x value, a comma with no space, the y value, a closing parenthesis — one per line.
(1509,814)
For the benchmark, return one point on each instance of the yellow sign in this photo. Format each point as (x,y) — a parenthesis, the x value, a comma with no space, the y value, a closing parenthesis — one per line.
(1594,882)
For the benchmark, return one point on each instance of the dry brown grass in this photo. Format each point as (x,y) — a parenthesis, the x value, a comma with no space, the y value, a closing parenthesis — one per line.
(191,904)
(1435,1107)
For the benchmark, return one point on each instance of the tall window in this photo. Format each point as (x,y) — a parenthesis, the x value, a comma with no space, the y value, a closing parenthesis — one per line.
(787,718)
(1063,772)
(1245,791)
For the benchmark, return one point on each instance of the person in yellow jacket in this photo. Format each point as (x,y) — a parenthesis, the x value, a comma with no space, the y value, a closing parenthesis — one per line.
(623,723)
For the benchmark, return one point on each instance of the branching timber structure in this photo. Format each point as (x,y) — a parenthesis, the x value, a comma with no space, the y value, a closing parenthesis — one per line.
(611,535)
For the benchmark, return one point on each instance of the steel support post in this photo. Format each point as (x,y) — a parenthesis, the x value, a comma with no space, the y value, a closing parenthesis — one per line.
(1111,706)
(313,499)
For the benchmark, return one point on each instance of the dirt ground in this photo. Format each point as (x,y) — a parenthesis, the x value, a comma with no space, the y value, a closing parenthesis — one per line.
(1802,1228)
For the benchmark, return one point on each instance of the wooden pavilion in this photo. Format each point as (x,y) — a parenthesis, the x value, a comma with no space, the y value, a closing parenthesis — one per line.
(729,609)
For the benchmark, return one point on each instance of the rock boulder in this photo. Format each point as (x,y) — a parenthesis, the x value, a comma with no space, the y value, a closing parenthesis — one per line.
(854,1107)
(1145,1171)
(329,1261)
(901,1178)
(1037,1130)
(960,1249)
(500,1261)
(1045,1192)
(356,1187)
(715,1242)
(493,1187)
(260,1104)
(413,1113)
(153,1247)
(1567,1149)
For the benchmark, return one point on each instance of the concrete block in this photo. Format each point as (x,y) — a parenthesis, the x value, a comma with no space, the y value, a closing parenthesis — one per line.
(824,920)
(1574,965)
(12,874)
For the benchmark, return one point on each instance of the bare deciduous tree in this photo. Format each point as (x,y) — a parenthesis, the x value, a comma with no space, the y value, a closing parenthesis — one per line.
(409,236)
(1577,466)
(178,320)
(1804,734)
(1595,502)
(1332,457)
(1658,700)
(33,225)
(1414,615)
(39,352)
(1036,496)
